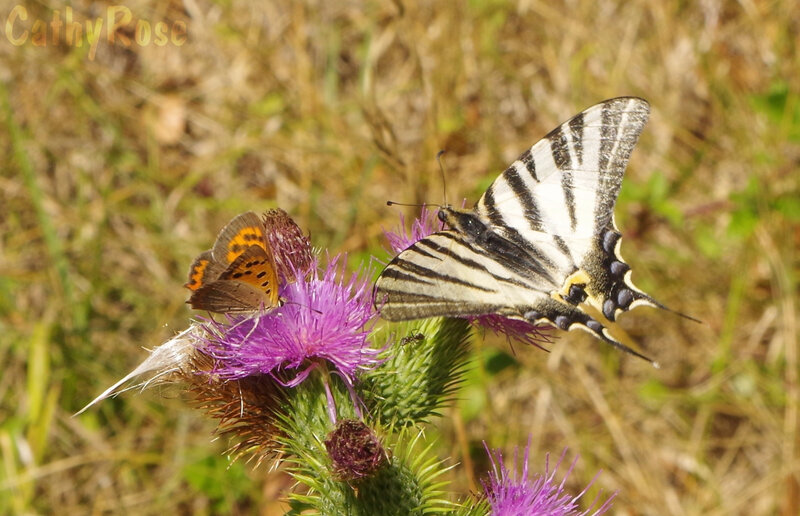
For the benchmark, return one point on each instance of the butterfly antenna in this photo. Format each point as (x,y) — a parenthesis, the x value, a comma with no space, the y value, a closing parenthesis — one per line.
(415,205)
(440,160)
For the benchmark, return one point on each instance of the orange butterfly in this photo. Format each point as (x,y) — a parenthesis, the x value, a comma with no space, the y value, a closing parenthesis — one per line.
(239,273)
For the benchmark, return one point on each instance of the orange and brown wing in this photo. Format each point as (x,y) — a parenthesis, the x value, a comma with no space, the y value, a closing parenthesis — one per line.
(244,231)
(204,270)
(256,267)
(248,284)
(226,296)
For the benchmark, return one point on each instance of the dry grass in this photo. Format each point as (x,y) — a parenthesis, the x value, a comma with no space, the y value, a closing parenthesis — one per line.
(118,169)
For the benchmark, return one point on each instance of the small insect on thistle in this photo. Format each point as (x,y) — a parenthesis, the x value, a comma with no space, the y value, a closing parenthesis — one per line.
(414,337)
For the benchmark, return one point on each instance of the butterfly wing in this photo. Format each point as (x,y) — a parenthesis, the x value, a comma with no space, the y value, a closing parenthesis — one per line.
(244,230)
(566,185)
(560,194)
(450,274)
(238,235)
(204,270)
(446,274)
(248,284)
(226,296)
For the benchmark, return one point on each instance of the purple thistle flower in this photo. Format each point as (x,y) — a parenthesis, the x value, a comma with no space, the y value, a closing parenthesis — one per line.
(423,226)
(517,495)
(323,321)
(513,329)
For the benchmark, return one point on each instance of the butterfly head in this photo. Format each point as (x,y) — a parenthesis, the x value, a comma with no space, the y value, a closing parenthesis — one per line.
(462,221)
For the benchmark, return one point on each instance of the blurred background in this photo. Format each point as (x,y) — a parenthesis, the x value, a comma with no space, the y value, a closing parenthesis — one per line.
(122,159)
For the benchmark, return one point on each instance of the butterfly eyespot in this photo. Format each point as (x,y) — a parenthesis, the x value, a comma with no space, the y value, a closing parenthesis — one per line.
(594,325)
(562,321)
(610,241)
(609,307)
(618,268)
(624,298)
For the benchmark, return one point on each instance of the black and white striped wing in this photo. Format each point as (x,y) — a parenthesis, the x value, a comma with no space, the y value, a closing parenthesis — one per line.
(448,274)
(563,189)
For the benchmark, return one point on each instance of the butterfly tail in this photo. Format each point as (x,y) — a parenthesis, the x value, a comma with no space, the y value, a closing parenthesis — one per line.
(642,299)
(601,332)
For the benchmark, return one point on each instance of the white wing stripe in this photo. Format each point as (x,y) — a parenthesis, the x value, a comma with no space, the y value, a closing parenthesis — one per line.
(562,157)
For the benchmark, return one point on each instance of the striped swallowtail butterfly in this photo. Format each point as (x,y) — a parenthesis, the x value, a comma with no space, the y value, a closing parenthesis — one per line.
(540,242)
